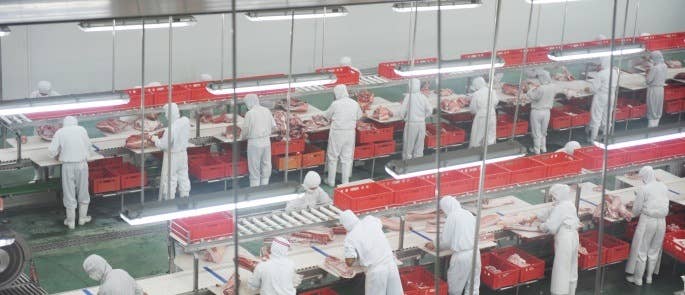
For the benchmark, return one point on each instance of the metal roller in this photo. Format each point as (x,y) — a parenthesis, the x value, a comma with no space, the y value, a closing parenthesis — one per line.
(261,224)
(291,220)
(272,223)
(334,209)
(302,218)
(310,216)
(251,227)
(281,221)
(319,214)
(243,231)
(328,212)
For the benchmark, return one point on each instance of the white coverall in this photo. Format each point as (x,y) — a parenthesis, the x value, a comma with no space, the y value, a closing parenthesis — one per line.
(600,86)
(563,222)
(478,107)
(656,80)
(366,242)
(458,236)
(343,113)
(415,109)
(72,145)
(44,89)
(180,135)
(651,204)
(314,195)
(112,281)
(275,276)
(542,100)
(257,128)
(569,148)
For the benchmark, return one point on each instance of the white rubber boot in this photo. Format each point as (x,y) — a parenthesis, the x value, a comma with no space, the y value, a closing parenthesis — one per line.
(70,221)
(83,217)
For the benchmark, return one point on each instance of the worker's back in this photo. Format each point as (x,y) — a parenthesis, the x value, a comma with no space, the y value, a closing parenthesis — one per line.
(72,144)
(370,242)
(259,123)
(344,114)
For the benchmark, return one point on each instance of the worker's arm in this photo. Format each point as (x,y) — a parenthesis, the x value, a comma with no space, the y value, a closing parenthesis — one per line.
(640,196)
(54,148)
(330,111)
(246,126)
(428,108)
(535,94)
(405,106)
(651,75)
(323,198)
(162,143)
(255,281)
(349,252)
(473,106)
(553,221)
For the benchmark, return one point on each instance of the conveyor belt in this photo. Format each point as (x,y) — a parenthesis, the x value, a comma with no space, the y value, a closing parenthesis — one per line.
(283,221)
(98,238)
(23,286)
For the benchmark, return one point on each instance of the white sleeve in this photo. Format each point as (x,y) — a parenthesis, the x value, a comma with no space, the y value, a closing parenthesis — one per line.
(330,111)
(640,196)
(553,221)
(428,106)
(348,249)
(163,143)
(535,94)
(404,107)
(448,233)
(255,281)
(246,126)
(323,198)
(54,148)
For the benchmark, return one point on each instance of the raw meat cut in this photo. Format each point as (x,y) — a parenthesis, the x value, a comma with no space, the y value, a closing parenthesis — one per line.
(414,216)
(446,92)
(228,133)
(309,125)
(339,230)
(521,219)
(492,269)
(321,120)
(516,259)
(510,89)
(247,263)
(393,224)
(46,132)
(489,220)
(229,287)
(214,254)
(320,236)
(614,208)
(564,75)
(135,141)
(453,105)
(486,236)
(582,250)
(339,266)
(111,125)
(146,125)
(296,124)
(151,116)
(296,105)
(365,99)
(674,64)
(210,118)
(679,242)
(679,76)
(361,126)
(382,113)
(672,227)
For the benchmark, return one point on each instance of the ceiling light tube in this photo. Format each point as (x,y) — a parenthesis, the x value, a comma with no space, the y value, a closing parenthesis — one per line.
(447,67)
(595,52)
(433,5)
(310,13)
(271,84)
(642,141)
(448,168)
(549,1)
(4,31)
(137,24)
(63,103)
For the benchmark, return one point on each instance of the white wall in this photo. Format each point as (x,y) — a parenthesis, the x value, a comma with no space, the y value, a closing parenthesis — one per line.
(76,61)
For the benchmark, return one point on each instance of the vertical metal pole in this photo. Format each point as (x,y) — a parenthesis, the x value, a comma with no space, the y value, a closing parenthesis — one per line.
(438,269)
(142,110)
(196,271)
(287,96)
(537,25)
(636,31)
(402,232)
(316,35)
(114,38)
(618,79)
(170,120)
(1,94)
(323,36)
(481,180)
(221,46)
(563,25)
(234,66)
(525,61)
(28,61)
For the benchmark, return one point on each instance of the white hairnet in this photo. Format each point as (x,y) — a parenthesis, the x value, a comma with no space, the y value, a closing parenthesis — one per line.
(647,174)
(414,86)
(44,87)
(69,121)
(251,100)
(657,57)
(171,112)
(571,146)
(96,267)
(560,192)
(312,180)
(279,247)
(206,77)
(543,76)
(478,83)
(348,220)
(449,205)
(346,61)
(340,91)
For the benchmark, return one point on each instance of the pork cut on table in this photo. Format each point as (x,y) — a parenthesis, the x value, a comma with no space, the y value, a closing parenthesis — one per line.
(489,220)
(312,236)
(296,105)
(135,141)
(339,267)
(446,92)
(510,89)
(146,125)
(152,116)
(382,113)
(519,220)
(216,119)
(453,105)
(321,120)
(674,64)
(614,208)
(228,133)
(517,260)
(46,132)
(247,263)
(309,125)
(564,75)
(214,254)
(679,242)
(365,99)
(229,287)
(339,230)
(679,76)
(111,125)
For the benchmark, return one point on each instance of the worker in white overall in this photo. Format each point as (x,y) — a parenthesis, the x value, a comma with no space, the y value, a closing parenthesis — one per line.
(112,281)
(314,195)
(479,107)
(257,128)
(414,110)
(275,276)
(343,114)
(542,100)
(655,80)
(175,170)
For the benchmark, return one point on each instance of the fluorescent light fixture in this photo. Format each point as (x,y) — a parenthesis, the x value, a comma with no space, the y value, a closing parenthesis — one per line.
(549,1)
(137,24)
(271,84)
(310,13)
(63,103)
(447,67)
(4,31)
(636,142)
(449,168)
(433,5)
(594,52)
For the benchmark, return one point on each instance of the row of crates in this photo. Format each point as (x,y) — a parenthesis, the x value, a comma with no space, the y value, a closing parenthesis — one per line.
(207,167)
(204,227)
(613,249)
(311,156)
(416,280)
(375,149)
(113,174)
(592,157)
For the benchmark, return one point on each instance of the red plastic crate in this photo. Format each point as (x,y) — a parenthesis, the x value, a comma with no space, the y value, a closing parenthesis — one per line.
(460,117)
(504,129)
(559,164)
(203,227)
(587,261)
(179,94)
(523,170)
(375,134)
(495,176)
(387,69)
(103,181)
(638,111)
(198,91)
(616,249)
(282,163)
(129,176)
(674,92)
(621,113)
(673,106)
(318,136)
(409,190)
(417,280)
(322,291)
(453,182)
(675,219)
(206,149)
(677,40)
(363,151)
(450,135)
(208,168)
(559,120)
(362,197)
(313,156)
(593,157)
(641,153)
(508,276)
(345,75)
(655,42)
(578,116)
(241,166)
(536,266)
(295,146)
(671,148)
(384,148)
(672,248)
(112,162)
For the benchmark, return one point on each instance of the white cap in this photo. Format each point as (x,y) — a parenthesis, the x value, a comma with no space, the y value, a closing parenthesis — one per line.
(44,87)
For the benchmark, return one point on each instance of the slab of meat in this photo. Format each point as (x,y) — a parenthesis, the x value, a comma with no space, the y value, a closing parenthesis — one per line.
(46,132)
(453,105)
(296,105)
(361,126)
(339,230)
(151,116)
(414,216)
(322,237)
(321,120)
(309,125)
(486,236)
(674,64)
(382,113)
(492,269)
(247,263)
(489,220)
(296,125)
(614,208)
(516,259)
(564,75)
(339,266)
(146,125)
(494,203)
(446,92)
(111,125)
(135,141)
(680,76)
(365,99)
(214,254)
(510,89)
(521,219)
(228,133)
(679,242)
(229,287)
(210,118)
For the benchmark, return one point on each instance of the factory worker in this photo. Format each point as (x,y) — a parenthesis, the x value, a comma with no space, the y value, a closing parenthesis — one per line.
(562,221)
(479,107)
(343,114)
(651,204)
(346,61)
(314,195)
(569,148)
(175,170)
(44,89)
(656,80)
(542,100)
(275,276)
(600,101)
(415,109)
(257,128)
(366,243)
(112,281)
(458,235)
(72,147)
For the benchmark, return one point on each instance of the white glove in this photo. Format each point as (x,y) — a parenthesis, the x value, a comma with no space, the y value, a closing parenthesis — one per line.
(154,138)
